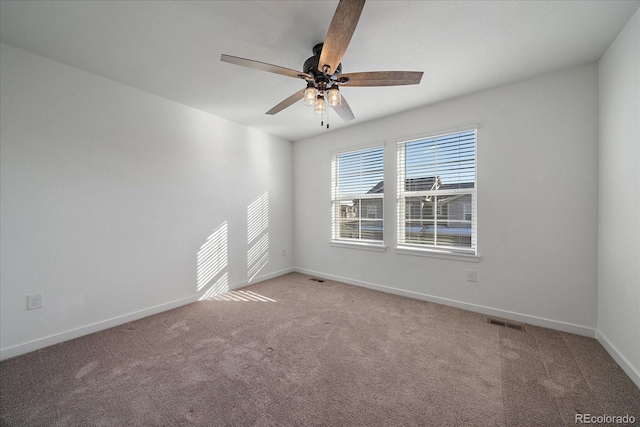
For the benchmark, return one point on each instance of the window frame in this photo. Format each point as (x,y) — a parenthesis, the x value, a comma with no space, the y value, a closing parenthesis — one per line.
(420,249)
(357,243)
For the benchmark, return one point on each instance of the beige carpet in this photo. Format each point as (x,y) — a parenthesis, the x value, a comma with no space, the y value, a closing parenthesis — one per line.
(294,352)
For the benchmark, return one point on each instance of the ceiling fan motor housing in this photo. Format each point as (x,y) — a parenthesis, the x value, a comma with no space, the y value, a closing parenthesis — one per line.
(311,67)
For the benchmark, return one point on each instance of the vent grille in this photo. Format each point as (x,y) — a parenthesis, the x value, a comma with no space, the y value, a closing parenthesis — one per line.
(315,279)
(505,324)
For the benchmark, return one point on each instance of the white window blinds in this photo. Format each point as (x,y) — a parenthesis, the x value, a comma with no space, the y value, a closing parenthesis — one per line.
(357,190)
(437,192)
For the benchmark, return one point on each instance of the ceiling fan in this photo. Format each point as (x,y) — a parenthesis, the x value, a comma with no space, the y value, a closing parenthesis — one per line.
(323,71)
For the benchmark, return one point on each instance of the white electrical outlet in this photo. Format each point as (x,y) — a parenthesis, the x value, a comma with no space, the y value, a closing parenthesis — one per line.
(284,252)
(34,301)
(471,275)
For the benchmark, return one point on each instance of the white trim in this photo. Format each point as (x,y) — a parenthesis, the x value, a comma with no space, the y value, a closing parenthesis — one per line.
(262,278)
(436,133)
(358,245)
(625,364)
(518,317)
(349,197)
(39,343)
(433,253)
(440,193)
(348,150)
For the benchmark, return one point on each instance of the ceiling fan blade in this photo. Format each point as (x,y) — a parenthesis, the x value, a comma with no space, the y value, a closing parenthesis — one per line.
(339,35)
(383,78)
(344,111)
(287,102)
(263,66)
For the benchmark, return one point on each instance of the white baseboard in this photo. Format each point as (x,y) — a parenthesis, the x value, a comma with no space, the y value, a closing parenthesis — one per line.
(532,320)
(258,279)
(523,318)
(27,347)
(23,348)
(626,366)
(264,277)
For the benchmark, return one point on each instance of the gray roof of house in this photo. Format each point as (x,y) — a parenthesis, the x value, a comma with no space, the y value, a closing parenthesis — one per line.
(422,184)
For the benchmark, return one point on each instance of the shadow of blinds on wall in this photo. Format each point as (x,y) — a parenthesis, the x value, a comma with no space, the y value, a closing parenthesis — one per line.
(257,235)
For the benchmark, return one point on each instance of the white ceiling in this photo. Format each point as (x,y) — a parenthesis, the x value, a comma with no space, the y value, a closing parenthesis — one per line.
(172,49)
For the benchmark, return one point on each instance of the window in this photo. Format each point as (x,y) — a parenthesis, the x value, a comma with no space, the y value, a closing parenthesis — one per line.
(437,193)
(467,211)
(357,190)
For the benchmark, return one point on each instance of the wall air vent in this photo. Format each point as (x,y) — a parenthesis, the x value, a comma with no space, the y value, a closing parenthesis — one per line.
(506,324)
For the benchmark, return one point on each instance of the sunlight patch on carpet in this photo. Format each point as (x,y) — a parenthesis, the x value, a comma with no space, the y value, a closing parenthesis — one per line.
(240,296)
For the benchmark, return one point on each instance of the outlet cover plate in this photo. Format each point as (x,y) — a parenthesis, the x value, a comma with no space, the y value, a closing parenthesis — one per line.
(471,275)
(34,301)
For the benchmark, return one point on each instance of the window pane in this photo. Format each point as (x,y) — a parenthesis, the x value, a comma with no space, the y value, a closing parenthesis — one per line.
(421,232)
(357,195)
(447,161)
(436,186)
(451,213)
(371,230)
(351,225)
(359,172)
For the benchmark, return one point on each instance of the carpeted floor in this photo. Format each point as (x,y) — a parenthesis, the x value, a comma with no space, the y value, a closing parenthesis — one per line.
(294,352)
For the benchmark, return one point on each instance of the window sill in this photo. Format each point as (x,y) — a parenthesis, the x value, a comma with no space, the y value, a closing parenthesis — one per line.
(363,246)
(437,254)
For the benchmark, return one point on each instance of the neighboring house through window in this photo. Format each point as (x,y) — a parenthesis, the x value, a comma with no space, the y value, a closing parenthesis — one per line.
(437,193)
(357,190)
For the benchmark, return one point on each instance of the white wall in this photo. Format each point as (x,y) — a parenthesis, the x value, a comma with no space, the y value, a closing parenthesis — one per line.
(619,199)
(537,203)
(109,192)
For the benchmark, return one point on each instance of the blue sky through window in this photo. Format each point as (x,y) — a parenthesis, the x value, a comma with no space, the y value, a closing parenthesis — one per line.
(450,157)
(360,171)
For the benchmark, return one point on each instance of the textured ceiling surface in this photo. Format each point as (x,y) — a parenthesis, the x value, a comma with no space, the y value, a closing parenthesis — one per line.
(172,49)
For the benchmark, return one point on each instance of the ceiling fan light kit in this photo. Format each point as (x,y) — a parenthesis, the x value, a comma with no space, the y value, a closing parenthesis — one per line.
(310,95)
(320,106)
(334,97)
(323,71)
